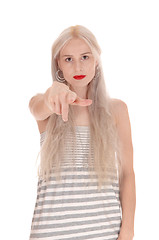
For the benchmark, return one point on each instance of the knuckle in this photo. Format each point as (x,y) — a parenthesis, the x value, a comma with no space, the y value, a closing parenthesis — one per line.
(51,99)
(62,93)
(56,98)
(73,94)
(63,100)
(70,96)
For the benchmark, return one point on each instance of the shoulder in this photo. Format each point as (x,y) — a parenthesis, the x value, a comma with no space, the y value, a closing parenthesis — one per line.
(118,109)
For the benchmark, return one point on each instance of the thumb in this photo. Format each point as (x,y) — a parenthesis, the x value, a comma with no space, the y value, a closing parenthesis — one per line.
(82,102)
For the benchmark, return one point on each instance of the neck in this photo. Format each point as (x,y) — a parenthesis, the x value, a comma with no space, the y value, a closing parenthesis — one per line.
(80,91)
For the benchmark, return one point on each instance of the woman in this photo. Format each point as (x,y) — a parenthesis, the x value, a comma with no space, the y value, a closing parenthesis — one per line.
(86,187)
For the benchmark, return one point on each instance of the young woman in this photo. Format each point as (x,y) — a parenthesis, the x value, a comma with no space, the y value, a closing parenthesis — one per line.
(86,186)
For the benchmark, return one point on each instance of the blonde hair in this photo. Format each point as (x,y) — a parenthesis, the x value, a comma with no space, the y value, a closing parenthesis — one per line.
(104,143)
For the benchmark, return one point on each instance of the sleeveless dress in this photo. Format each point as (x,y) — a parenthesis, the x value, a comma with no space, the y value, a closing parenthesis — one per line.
(75,209)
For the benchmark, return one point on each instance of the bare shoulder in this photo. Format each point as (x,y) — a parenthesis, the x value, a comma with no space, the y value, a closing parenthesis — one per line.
(118,108)
(42,124)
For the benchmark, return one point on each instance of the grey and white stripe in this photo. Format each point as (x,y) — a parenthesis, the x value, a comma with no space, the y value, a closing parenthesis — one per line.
(74,208)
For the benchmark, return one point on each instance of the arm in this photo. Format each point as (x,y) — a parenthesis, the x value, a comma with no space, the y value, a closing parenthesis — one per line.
(127,181)
(56,99)
(38,107)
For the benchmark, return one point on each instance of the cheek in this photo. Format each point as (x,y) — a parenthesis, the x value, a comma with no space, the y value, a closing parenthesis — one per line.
(91,68)
(67,71)
(67,67)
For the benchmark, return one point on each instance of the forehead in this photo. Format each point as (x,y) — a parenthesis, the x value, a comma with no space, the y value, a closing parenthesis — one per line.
(75,46)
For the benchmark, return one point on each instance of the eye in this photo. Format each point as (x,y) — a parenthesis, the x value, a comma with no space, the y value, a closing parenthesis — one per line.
(69,59)
(85,57)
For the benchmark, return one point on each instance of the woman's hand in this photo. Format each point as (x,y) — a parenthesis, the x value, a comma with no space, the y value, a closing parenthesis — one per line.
(124,238)
(123,235)
(59,96)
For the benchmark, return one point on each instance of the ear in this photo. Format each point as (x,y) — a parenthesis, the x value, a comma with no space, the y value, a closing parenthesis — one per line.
(58,63)
(97,63)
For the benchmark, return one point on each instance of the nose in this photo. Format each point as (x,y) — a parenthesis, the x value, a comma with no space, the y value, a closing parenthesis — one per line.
(78,66)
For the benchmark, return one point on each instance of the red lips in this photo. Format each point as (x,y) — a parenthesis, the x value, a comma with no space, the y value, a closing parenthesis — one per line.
(78,77)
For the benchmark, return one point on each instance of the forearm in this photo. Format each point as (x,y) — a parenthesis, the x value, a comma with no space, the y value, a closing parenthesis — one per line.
(38,107)
(128,204)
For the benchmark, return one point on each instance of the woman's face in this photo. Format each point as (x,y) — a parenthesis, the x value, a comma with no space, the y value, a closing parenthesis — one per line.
(76,61)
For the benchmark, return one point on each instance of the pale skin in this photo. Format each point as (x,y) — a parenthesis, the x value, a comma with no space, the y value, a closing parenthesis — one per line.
(76,58)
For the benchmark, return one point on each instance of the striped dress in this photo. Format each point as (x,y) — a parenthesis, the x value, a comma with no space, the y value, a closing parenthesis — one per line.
(74,209)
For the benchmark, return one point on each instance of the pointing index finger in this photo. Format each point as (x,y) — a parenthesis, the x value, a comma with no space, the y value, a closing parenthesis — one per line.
(65,111)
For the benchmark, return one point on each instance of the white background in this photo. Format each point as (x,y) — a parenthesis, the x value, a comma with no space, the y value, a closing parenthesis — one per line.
(128,33)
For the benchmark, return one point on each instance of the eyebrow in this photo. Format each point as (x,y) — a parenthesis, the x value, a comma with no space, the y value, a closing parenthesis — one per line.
(80,54)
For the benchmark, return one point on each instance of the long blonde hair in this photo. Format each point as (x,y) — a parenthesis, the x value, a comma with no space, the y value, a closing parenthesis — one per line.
(104,142)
